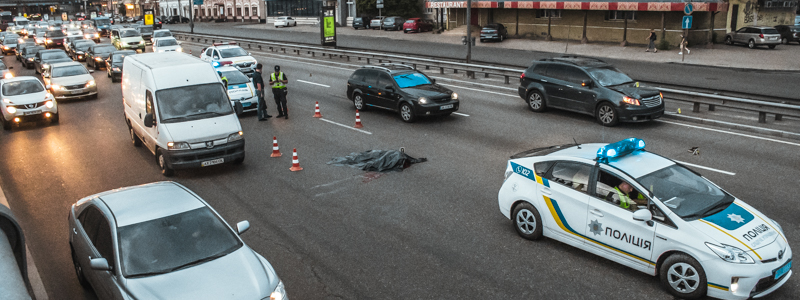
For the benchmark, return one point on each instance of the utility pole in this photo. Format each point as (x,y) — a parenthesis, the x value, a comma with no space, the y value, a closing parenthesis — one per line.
(180,12)
(191,18)
(469,30)
(234,11)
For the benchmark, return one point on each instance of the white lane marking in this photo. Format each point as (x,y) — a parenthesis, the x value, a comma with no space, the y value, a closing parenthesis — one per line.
(732,133)
(314,83)
(460,114)
(706,168)
(477,90)
(345,126)
(333,182)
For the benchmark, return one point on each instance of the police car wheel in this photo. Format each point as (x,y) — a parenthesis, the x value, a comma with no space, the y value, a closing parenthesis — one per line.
(527,221)
(683,277)
(536,102)
(607,115)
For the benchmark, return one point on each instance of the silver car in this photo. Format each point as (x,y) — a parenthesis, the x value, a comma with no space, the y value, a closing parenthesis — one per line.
(70,80)
(376,22)
(162,241)
(754,36)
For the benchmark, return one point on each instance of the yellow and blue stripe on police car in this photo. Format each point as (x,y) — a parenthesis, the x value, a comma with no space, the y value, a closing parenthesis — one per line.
(718,286)
(555,211)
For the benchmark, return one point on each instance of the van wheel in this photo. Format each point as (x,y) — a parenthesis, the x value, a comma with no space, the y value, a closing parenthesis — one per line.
(607,115)
(527,221)
(78,269)
(406,113)
(785,41)
(683,277)
(358,102)
(536,102)
(134,139)
(162,164)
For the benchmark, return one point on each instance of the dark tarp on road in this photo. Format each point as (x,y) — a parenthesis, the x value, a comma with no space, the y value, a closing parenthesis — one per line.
(377,160)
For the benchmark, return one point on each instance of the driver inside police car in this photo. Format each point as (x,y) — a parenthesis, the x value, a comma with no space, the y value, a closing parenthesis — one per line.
(622,193)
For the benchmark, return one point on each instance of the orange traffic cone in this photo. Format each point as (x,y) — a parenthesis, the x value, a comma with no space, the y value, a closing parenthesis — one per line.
(275,150)
(295,162)
(316,111)
(358,120)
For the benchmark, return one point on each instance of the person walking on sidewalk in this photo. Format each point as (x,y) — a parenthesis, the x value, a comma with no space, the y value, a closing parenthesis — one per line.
(652,44)
(684,42)
(278,81)
(258,82)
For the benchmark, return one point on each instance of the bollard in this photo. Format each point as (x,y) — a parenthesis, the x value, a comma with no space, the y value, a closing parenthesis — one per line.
(367,60)
(441,70)
(485,75)
(455,71)
(762,117)
(471,74)
(348,58)
(427,67)
(506,79)
(414,66)
(259,47)
(380,61)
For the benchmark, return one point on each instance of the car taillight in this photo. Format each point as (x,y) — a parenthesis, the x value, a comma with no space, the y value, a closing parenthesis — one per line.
(761,35)
(522,76)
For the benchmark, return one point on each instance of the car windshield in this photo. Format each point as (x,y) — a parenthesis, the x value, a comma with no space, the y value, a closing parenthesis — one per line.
(68,71)
(174,242)
(55,33)
(83,46)
(235,77)
(687,194)
(117,58)
(232,52)
(410,21)
(55,55)
(162,34)
(88,31)
(609,76)
(32,50)
(104,49)
(167,42)
(128,33)
(103,21)
(22,87)
(411,80)
(193,102)
(11,38)
(146,29)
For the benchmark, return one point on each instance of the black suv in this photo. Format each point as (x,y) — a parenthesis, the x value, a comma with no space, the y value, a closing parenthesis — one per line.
(400,88)
(590,86)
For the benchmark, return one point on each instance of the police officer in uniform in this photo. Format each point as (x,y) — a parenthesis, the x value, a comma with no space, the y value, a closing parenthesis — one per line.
(258,82)
(623,191)
(278,81)
(224,79)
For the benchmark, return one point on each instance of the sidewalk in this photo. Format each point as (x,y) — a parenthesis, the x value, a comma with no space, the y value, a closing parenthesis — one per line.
(783,57)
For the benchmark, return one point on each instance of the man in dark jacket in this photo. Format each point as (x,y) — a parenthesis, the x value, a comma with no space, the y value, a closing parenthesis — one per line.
(258,83)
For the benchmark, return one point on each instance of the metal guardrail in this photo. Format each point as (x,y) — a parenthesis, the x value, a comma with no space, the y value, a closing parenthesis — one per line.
(763,108)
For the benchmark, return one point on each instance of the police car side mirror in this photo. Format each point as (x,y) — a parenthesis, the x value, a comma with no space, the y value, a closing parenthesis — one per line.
(643,215)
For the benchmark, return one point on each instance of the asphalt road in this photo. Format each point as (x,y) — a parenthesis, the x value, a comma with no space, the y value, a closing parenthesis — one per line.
(433,231)
(770,83)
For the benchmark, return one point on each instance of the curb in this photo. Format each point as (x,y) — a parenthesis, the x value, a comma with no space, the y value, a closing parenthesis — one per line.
(729,125)
(39,293)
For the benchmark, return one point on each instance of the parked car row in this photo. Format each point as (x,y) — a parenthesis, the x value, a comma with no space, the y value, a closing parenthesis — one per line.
(754,36)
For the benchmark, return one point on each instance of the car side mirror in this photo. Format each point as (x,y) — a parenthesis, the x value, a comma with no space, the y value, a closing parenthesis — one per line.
(242,227)
(248,53)
(100,264)
(643,215)
(148,120)
(586,83)
(433,81)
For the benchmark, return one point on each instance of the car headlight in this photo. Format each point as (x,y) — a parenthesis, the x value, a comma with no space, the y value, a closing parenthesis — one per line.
(49,96)
(141,42)
(96,35)
(5,47)
(279,293)
(116,69)
(11,109)
(235,136)
(98,58)
(49,104)
(91,83)
(629,100)
(731,254)
(49,40)
(45,66)
(79,52)
(423,100)
(6,100)
(55,87)
(30,59)
(454,96)
(8,75)
(777,225)
(179,49)
(178,145)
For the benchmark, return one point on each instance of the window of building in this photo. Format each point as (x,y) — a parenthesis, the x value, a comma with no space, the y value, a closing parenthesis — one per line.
(297,8)
(238,11)
(548,13)
(230,11)
(429,10)
(246,11)
(619,15)
(255,11)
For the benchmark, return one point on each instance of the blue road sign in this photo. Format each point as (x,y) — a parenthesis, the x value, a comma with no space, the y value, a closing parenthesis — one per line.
(687,22)
(688,8)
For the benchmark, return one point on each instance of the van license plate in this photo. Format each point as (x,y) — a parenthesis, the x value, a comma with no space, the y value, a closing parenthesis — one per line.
(35,112)
(212,162)
(783,270)
(443,107)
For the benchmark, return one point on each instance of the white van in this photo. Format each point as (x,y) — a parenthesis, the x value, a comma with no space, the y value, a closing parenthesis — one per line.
(176,105)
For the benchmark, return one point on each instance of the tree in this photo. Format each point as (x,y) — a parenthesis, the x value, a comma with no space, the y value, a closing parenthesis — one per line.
(403,8)
(122,9)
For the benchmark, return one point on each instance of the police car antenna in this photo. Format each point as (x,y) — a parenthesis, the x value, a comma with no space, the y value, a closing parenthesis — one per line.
(576,143)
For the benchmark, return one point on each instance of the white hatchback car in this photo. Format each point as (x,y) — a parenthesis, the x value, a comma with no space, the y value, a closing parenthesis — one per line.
(166,44)
(223,54)
(649,213)
(26,99)
(285,22)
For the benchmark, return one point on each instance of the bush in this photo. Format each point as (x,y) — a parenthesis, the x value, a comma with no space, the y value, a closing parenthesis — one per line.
(663,45)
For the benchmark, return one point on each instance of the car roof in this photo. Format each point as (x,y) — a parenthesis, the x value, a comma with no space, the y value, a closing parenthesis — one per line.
(636,164)
(580,61)
(66,64)
(21,78)
(142,203)
(226,46)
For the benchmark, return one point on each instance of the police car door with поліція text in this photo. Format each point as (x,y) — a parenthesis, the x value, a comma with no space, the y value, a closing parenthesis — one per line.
(566,199)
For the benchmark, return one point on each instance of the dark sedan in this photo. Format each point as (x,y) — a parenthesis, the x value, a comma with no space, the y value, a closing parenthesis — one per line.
(54,38)
(789,33)
(114,64)
(45,58)
(20,47)
(79,50)
(97,54)
(28,55)
(494,32)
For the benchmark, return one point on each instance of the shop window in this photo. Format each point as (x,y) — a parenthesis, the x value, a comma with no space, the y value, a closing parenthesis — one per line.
(548,13)
(618,15)
(429,10)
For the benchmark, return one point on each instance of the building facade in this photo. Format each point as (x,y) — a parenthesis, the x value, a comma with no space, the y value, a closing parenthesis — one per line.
(230,10)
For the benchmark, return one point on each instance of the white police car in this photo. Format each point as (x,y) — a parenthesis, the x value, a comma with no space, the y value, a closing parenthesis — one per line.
(240,89)
(220,54)
(698,238)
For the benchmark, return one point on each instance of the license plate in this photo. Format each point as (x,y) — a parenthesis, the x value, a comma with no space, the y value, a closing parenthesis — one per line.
(783,270)
(212,162)
(773,38)
(76,92)
(443,107)
(35,112)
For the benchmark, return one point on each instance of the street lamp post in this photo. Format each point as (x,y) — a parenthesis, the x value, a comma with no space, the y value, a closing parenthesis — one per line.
(469,30)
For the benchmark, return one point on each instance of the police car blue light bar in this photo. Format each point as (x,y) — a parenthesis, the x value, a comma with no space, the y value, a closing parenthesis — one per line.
(215,64)
(619,149)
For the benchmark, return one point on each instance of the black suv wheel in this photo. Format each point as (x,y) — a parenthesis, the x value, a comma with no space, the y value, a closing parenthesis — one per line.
(607,115)
(536,101)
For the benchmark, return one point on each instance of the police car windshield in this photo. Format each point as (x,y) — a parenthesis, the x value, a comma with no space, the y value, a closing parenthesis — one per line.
(685,193)
(609,76)
(193,102)
(235,77)
(411,80)
(232,52)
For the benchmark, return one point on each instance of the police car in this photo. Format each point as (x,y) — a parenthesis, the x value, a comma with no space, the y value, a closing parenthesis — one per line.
(696,237)
(240,89)
(223,54)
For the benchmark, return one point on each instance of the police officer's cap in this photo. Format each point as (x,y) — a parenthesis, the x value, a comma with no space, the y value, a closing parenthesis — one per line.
(277,68)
